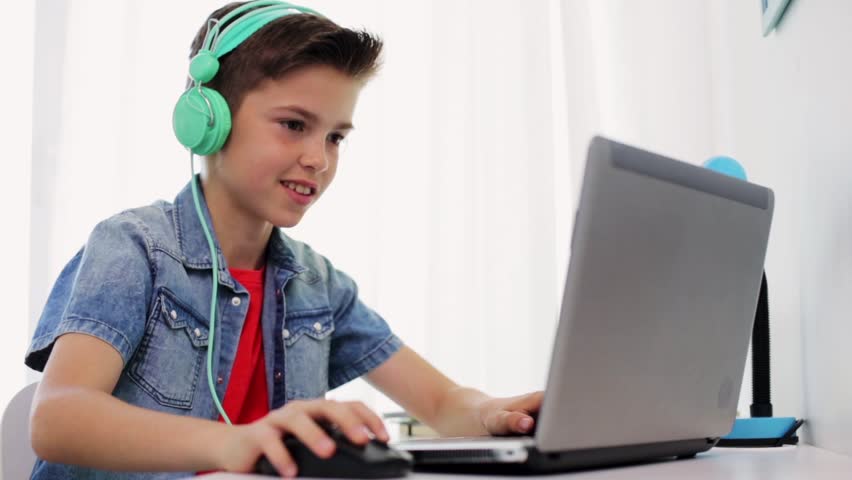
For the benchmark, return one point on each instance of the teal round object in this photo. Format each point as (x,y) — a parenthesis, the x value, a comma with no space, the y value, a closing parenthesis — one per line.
(191,120)
(727,166)
(221,128)
(203,66)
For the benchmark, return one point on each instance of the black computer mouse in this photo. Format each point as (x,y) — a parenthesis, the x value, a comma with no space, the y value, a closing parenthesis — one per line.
(374,460)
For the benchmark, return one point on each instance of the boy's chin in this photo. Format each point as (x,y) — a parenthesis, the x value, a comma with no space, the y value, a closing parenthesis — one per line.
(286,221)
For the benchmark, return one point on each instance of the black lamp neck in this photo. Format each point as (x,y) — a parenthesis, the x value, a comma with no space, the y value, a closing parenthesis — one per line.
(761,404)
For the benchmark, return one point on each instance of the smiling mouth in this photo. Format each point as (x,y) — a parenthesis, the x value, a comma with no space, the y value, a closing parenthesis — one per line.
(300,189)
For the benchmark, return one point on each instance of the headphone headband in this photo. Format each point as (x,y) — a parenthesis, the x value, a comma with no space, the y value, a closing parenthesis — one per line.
(244,20)
(220,41)
(213,32)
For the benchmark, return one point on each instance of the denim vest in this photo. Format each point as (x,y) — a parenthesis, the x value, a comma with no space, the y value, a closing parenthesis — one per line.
(142,283)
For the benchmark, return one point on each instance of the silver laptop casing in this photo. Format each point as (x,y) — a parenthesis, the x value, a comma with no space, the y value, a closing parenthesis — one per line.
(658,304)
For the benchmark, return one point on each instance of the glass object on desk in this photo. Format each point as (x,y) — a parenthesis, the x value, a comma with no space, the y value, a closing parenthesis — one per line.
(409,427)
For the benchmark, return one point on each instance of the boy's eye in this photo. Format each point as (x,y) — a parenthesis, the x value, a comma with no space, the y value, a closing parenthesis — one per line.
(295,125)
(336,138)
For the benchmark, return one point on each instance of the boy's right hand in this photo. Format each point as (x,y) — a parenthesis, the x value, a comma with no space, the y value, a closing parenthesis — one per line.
(245,444)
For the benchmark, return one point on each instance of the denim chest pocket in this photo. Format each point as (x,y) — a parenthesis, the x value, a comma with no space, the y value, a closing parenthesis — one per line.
(169,360)
(307,341)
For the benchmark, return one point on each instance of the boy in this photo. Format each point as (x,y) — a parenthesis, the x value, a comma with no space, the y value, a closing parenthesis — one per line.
(129,340)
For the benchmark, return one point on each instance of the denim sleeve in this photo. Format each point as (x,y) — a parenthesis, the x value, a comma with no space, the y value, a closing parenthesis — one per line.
(103,291)
(362,340)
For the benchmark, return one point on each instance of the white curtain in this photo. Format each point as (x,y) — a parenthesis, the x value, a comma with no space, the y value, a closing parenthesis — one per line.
(453,202)
(16,83)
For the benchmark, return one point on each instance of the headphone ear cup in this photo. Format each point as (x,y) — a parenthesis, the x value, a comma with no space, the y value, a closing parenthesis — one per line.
(191,121)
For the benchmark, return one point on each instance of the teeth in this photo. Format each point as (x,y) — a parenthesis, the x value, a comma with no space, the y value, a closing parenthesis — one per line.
(298,188)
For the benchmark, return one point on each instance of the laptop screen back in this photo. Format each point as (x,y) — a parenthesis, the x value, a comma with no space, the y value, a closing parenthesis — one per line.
(658,304)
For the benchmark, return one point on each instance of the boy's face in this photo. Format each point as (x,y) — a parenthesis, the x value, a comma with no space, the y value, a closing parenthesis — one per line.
(283,148)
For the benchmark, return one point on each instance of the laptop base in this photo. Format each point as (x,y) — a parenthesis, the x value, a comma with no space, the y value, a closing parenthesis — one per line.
(538,462)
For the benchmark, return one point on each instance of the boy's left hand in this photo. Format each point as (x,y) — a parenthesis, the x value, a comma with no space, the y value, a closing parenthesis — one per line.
(512,415)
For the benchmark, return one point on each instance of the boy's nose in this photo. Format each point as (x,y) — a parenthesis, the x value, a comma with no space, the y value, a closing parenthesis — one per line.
(315,156)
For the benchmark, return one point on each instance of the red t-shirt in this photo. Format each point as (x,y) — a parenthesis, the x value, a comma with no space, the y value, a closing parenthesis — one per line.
(247,398)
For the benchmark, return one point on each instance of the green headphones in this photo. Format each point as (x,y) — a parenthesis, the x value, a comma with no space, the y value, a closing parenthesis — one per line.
(201,118)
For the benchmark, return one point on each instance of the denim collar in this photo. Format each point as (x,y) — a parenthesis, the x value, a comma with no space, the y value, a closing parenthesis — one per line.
(195,253)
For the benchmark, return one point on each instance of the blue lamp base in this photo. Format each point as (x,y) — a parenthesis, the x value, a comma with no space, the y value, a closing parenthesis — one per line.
(762,432)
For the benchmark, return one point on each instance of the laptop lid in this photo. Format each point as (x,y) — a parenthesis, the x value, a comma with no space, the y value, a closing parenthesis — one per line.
(658,303)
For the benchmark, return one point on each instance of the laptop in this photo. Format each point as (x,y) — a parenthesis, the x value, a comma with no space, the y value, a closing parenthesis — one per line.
(657,310)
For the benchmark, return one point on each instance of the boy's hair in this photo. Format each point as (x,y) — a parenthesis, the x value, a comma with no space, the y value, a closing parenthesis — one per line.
(285,44)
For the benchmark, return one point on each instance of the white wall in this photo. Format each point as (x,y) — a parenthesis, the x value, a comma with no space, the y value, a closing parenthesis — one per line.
(787,104)
(692,79)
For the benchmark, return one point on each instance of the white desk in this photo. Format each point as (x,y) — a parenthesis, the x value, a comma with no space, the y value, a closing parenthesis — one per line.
(802,462)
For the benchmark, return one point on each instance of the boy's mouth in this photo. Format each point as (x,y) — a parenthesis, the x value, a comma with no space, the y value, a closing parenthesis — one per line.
(299,188)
